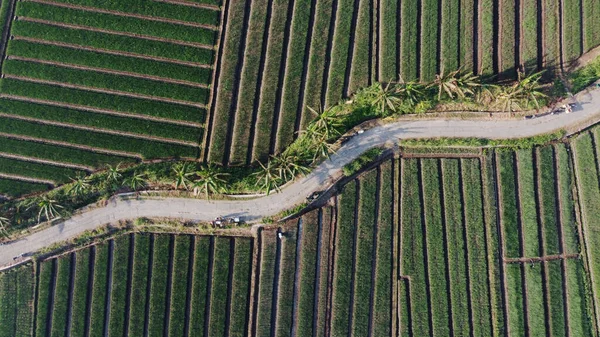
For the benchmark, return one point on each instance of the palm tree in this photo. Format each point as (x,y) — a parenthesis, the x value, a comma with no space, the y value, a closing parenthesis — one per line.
(508,98)
(321,149)
(453,84)
(136,181)
(113,174)
(48,207)
(182,173)
(385,99)
(530,88)
(486,94)
(79,185)
(409,92)
(4,222)
(327,123)
(267,178)
(210,180)
(288,166)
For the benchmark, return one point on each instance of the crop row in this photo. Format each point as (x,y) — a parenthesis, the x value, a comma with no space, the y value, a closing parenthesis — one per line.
(429,34)
(567,205)
(99,291)
(79,303)
(527,201)
(99,120)
(264,305)
(16,188)
(119,286)
(101,100)
(286,284)
(362,58)
(101,59)
(409,69)
(114,22)
(38,170)
(240,288)
(509,208)
(451,50)
(98,140)
(88,38)
(220,287)
(388,34)
(45,284)
(548,197)
(16,296)
(179,285)
(199,286)
(309,248)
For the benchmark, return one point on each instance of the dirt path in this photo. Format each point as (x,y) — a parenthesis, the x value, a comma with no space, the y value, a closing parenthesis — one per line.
(190,4)
(27,179)
(47,162)
(541,259)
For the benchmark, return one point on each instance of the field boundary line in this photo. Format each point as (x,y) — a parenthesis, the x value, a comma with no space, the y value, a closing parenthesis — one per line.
(111,52)
(115,32)
(27,179)
(93,129)
(123,14)
(190,4)
(71,145)
(45,161)
(105,91)
(100,111)
(537,259)
(108,71)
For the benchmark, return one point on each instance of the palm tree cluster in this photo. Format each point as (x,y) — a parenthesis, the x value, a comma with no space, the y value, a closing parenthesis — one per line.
(209,179)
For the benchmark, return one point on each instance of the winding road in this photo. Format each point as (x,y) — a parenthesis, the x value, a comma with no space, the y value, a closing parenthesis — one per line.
(585,113)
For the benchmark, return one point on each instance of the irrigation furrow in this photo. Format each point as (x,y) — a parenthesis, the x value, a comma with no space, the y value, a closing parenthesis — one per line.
(26,179)
(130,264)
(440,169)
(519,34)
(116,32)
(353,252)
(375,258)
(105,91)
(190,280)
(190,4)
(525,299)
(94,129)
(209,287)
(541,34)
(497,41)
(69,145)
(317,284)
(327,63)
(112,52)
(44,161)
(167,314)
(235,95)
(52,294)
(297,265)
(376,17)
(215,80)
(331,264)
(425,250)
(520,226)
(259,82)
(351,47)
(124,14)
(108,71)
(70,297)
(476,37)
(98,110)
(439,45)
(109,277)
(90,287)
(277,274)
(229,286)
(256,278)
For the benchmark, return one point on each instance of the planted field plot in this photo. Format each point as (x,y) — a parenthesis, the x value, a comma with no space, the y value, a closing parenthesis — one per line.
(145,284)
(128,79)
(16,301)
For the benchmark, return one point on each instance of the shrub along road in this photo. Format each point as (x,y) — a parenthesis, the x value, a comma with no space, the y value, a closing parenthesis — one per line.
(586,113)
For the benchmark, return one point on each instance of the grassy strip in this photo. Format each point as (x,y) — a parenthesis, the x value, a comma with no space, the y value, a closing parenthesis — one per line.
(179,286)
(80,291)
(382,293)
(308,260)
(116,324)
(536,315)
(413,249)
(240,288)
(139,284)
(529,42)
(451,31)
(83,37)
(285,294)
(316,61)
(465,34)
(344,248)
(567,214)
(547,194)
(486,14)
(35,170)
(476,244)
(227,80)
(269,89)
(364,252)
(108,61)
(61,296)
(339,53)
(107,81)
(110,142)
(551,33)
(293,74)
(101,100)
(158,285)
(43,300)
(102,121)
(360,69)
(265,292)
(410,63)
(456,246)
(15,188)
(248,82)
(556,292)
(528,206)
(429,39)
(435,247)
(199,286)
(589,198)
(572,29)
(508,196)
(516,313)
(220,287)
(507,38)
(580,321)
(99,291)
(389,46)
(117,23)
(155,8)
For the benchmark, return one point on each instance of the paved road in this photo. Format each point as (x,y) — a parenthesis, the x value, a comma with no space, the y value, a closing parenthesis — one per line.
(584,114)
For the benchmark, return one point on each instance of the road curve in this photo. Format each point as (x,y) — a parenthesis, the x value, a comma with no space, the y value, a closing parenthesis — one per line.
(586,113)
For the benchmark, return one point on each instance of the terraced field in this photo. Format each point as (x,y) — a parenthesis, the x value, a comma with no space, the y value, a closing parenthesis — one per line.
(86,84)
